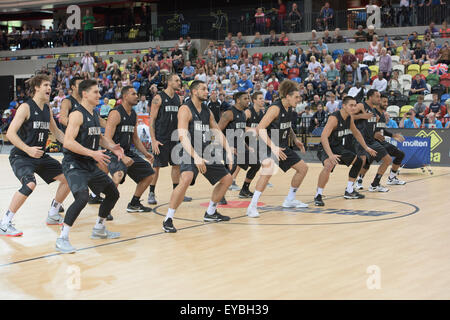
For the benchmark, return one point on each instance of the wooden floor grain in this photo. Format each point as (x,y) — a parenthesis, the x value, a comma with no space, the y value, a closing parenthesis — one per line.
(387,246)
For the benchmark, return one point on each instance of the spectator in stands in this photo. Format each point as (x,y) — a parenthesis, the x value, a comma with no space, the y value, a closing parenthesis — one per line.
(426,41)
(360,35)
(420,107)
(314,103)
(431,122)
(154,73)
(227,41)
(413,39)
(389,122)
(142,106)
(385,64)
(326,16)
(321,45)
(319,119)
(313,36)
(389,45)
(387,13)
(87,63)
(394,83)
(181,43)
(257,40)
(371,33)
(260,21)
(282,12)
(88,22)
(357,91)
(245,84)
(314,65)
(374,49)
(405,55)
(269,94)
(240,42)
(444,32)
(283,40)
(418,86)
(380,83)
(188,72)
(432,54)
(326,37)
(272,40)
(306,118)
(333,74)
(177,58)
(404,13)
(419,55)
(301,106)
(295,18)
(201,75)
(446,118)
(332,105)
(105,108)
(445,54)
(436,107)
(310,92)
(337,37)
(409,120)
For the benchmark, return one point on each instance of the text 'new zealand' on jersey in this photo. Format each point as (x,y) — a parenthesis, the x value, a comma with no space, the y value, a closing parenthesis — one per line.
(125,129)
(341,134)
(281,125)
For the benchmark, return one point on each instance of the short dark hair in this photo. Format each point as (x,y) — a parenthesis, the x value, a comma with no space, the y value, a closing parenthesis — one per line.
(256,94)
(125,90)
(384,96)
(85,85)
(74,80)
(194,85)
(347,99)
(371,92)
(238,95)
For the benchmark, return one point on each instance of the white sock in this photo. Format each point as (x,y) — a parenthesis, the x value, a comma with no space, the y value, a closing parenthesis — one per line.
(54,208)
(211,208)
(392,175)
(349,187)
(170,214)
(100,223)
(7,218)
(65,231)
(291,194)
(93,195)
(255,199)
(319,191)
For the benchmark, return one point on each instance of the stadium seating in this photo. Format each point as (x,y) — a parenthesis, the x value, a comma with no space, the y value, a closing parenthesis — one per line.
(112,103)
(393,111)
(428,99)
(432,79)
(405,109)
(405,81)
(374,70)
(413,69)
(424,69)
(400,68)
(395,60)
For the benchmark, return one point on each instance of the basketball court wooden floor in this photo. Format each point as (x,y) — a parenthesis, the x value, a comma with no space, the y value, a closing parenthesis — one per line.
(387,246)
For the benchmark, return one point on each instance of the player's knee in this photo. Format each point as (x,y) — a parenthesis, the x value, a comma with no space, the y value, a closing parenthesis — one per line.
(81,198)
(327,165)
(186,178)
(399,156)
(28,185)
(387,159)
(356,167)
(227,180)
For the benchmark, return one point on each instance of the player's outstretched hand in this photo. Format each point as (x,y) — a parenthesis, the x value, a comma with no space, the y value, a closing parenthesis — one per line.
(372,152)
(35,152)
(101,157)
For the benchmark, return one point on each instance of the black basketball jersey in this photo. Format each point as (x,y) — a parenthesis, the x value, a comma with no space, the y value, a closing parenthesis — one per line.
(34,131)
(215,109)
(255,117)
(88,134)
(237,125)
(73,104)
(125,129)
(367,127)
(339,135)
(199,127)
(166,120)
(282,125)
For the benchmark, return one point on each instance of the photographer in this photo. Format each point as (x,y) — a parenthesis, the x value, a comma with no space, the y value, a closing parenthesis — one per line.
(409,120)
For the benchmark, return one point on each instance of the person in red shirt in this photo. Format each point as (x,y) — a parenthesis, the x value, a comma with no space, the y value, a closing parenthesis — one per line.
(445,30)
(282,12)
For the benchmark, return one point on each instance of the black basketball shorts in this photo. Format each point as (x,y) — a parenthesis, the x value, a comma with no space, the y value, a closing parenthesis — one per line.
(46,167)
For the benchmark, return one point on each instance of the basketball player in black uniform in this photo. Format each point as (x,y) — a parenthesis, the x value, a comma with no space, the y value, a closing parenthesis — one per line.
(336,148)
(380,132)
(278,119)
(366,121)
(67,106)
(163,122)
(196,125)
(234,123)
(28,132)
(81,154)
(121,127)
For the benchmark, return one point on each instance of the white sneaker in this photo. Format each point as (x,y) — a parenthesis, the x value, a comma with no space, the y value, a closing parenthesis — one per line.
(234,187)
(358,185)
(378,188)
(294,204)
(395,181)
(252,212)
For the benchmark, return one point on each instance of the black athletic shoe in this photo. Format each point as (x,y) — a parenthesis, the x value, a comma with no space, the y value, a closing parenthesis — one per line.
(187,199)
(61,209)
(109,217)
(245,193)
(223,201)
(168,226)
(215,217)
(318,201)
(354,195)
(96,200)
(138,208)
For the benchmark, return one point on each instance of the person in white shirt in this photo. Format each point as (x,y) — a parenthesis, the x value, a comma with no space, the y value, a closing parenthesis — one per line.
(87,63)
(332,105)
(313,65)
(380,83)
(245,65)
(142,106)
(201,75)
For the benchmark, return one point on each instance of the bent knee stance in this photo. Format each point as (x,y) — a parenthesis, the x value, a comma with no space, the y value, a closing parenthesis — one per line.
(28,185)
(356,167)
(81,200)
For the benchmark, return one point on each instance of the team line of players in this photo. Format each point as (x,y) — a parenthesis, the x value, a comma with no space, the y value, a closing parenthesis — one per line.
(353,136)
